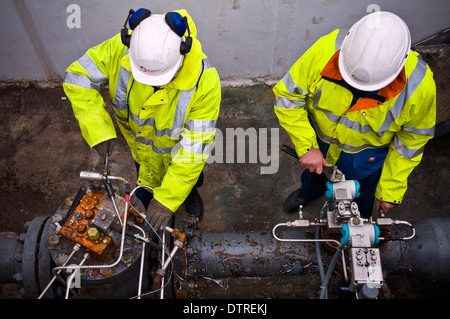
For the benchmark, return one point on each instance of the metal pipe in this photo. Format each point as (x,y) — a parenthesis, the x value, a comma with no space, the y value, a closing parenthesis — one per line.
(10,260)
(300,240)
(222,255)
(315,240)
(261,255)
(141,271)
(426,255)
(179,241)
(72,276)
(163,256)
(246,255)
(75,249)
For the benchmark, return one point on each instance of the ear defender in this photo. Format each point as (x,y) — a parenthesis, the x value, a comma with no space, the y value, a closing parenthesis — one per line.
(179,25)
(174,20)
(133,20)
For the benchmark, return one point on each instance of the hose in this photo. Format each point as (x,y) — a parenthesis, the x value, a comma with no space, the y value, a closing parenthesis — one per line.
(337,254)
(317,245)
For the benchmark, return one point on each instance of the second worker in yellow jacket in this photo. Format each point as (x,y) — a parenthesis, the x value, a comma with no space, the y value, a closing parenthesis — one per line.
(363,101)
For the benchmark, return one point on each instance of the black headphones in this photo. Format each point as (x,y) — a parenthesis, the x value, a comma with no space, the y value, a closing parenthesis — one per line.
(174,20)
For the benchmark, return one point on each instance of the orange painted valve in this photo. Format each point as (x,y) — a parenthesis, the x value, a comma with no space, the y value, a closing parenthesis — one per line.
(78,227)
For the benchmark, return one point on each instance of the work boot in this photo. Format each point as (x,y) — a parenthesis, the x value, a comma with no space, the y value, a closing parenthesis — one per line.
(194,204)
(293,202)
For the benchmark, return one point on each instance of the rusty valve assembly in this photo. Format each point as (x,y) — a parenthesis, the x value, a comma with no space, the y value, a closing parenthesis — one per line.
(99,241)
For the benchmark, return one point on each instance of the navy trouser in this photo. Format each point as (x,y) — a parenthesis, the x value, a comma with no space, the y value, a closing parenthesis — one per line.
(313,186)
(145,196)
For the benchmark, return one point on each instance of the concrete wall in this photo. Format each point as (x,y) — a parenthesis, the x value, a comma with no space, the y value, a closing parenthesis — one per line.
(247,40)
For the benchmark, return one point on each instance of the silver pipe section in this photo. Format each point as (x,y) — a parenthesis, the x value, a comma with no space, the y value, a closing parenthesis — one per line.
(246,255)
(75,249)
(304,240)
(220,255)
(72,276)
(11,251)
(426,255)
(141,270)
(163,260)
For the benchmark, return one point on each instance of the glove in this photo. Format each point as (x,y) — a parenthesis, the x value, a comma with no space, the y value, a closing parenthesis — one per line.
(159,215)
(103,147)
(137,204)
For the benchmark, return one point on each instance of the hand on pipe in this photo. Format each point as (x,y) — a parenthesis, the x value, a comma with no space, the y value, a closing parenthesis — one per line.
(313,161)
(383,206)
(159,216)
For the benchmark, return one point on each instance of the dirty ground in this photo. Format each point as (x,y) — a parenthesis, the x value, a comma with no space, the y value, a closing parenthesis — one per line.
(42,153)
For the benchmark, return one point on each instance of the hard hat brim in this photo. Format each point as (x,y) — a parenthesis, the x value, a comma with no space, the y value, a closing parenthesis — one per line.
(360,85)
(148,78)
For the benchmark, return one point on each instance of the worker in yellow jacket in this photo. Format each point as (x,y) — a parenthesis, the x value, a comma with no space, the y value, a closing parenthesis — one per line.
(361,100)
(166,99)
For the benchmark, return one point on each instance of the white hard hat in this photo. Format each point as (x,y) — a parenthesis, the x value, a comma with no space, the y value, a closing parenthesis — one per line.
(374,51)
(155,52)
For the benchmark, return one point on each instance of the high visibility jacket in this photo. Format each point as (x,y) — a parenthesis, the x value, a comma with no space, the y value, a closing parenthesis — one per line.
(386,129)
(169,130)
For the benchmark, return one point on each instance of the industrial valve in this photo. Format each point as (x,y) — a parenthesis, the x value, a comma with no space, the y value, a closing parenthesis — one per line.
(358,234)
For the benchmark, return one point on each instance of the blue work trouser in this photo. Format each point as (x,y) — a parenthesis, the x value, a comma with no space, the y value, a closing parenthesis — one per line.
(145,196)
(313,186)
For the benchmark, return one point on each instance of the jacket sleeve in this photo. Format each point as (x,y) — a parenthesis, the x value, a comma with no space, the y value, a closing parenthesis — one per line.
(406,149)
(82,84)
(292,115)
(190,154)
(295,89)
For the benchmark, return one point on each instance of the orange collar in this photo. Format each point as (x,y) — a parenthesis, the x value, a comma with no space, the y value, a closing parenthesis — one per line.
(331,71)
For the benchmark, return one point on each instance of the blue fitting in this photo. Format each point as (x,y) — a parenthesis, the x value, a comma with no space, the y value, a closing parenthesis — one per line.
(345,231)
(357,186)
(377,234)
(329,191)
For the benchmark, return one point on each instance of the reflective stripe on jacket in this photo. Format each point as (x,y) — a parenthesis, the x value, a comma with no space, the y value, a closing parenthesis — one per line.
(387,129)
(169,130)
